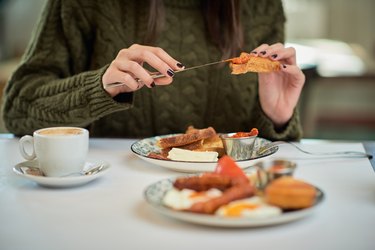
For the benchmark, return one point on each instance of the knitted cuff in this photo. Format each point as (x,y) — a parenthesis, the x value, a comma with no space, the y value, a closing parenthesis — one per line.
(290,132)
(99,101)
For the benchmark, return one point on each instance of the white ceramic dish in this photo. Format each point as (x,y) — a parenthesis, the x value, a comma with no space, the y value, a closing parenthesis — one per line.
(154,196)
(59,182)
(142,148)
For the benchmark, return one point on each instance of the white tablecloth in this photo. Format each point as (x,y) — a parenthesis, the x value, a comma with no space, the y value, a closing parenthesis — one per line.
(111,213)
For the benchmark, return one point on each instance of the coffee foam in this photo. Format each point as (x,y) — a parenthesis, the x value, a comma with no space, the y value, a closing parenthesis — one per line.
(61,131)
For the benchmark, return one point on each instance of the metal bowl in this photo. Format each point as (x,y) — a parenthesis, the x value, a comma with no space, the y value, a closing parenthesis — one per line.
(239,148)
(268,171)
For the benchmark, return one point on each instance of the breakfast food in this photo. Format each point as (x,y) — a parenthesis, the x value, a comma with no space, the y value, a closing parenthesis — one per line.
(289,193)
(178,154)
(253,132)
(203,182)
(187,138)
(250,63)
(184,199)
(228,179)
(229,192)
(194,145)
(254,207)
(231,188)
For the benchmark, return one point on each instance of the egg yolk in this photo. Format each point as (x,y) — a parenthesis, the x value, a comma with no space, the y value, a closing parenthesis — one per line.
(198,195)
(235,210)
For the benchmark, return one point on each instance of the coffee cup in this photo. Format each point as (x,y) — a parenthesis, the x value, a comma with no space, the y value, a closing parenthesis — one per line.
(59,151)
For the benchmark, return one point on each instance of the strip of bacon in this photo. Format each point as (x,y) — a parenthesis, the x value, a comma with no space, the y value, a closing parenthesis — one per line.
(234,193)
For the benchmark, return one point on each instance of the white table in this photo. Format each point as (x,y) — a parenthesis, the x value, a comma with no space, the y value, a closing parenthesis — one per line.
(111,213)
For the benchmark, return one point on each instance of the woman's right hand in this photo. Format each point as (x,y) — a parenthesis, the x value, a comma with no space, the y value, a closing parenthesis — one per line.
(127,68)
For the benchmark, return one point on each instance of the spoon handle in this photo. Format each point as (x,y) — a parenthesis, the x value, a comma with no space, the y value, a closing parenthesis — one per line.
(338,153)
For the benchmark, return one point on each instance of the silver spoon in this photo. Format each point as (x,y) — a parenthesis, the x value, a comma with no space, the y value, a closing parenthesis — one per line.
(36,171)
(88,172)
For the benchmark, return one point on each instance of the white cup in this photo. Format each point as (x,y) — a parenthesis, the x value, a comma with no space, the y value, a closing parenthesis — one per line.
(59,150)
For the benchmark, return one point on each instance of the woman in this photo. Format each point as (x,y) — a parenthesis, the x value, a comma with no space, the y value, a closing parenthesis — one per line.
(79,47)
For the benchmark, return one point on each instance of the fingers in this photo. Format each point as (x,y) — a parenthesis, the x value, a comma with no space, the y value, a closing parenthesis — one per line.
(155,57)
(127,68)
(124,68)
(128,82)
(298,78)
(277,52)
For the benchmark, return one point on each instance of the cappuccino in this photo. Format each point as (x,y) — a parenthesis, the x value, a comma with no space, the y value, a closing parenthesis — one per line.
(58,150)
(60,131)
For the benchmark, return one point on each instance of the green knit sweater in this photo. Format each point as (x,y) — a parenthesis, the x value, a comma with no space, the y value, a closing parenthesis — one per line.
(58,82)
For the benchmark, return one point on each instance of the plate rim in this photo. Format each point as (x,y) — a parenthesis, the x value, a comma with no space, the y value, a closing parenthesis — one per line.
(188,166)
(218,221)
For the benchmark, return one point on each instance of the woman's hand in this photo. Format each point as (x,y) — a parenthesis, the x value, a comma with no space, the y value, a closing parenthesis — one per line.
(279,91)
(127,68)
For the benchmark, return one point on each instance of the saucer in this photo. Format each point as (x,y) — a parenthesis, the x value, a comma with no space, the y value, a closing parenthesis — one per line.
(69,181)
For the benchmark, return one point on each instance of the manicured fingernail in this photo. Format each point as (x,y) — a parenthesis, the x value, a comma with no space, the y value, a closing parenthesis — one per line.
(180,65)
(274,56)
(262,52)
(170,72)
(284,66)
(152,85)
(254,52)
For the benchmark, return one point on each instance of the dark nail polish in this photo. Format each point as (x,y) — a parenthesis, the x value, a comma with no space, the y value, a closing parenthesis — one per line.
(262,52)
(180,65)
(170,72)
(254,52)
(152,85)
(274,56)
(284,66)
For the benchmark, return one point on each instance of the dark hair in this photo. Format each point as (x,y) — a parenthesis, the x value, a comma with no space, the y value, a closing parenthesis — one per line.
(223,24)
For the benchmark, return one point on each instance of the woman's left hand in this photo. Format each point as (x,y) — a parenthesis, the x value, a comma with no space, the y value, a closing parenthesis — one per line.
(279,91)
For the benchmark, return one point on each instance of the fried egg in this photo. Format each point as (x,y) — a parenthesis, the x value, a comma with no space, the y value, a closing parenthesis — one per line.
(254,207)
(185,198)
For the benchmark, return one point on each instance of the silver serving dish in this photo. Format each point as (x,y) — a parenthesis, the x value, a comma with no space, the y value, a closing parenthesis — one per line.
(268,171)
(239,148)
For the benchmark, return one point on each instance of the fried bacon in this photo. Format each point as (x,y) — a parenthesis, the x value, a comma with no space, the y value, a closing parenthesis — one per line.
(232,188)
(204,182)
(158,156)
(234,193)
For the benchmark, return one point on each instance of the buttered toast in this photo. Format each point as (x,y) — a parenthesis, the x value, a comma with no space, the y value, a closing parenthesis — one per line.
(192,136)
(193,139)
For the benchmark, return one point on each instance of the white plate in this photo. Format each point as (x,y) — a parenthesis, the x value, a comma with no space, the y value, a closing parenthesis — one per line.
(143,147)
(69,181)
(154,196)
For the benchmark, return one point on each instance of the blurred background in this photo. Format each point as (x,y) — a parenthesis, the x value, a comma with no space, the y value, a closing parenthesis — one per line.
(335,42)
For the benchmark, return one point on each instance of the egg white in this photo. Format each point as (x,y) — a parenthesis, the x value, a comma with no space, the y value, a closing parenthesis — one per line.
(254,207)
(185,198)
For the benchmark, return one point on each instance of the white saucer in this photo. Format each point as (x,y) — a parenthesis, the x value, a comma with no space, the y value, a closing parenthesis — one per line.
(69,181)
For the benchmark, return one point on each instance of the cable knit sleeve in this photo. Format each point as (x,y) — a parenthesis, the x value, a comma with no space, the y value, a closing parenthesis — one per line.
(48,89)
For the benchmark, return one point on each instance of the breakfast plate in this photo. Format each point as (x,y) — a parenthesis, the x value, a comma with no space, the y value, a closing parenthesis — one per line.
(154,195)
(27,169)
(143,147)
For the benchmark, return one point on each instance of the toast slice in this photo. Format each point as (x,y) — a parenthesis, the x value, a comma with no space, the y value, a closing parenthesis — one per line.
(187,138)
(213,143)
